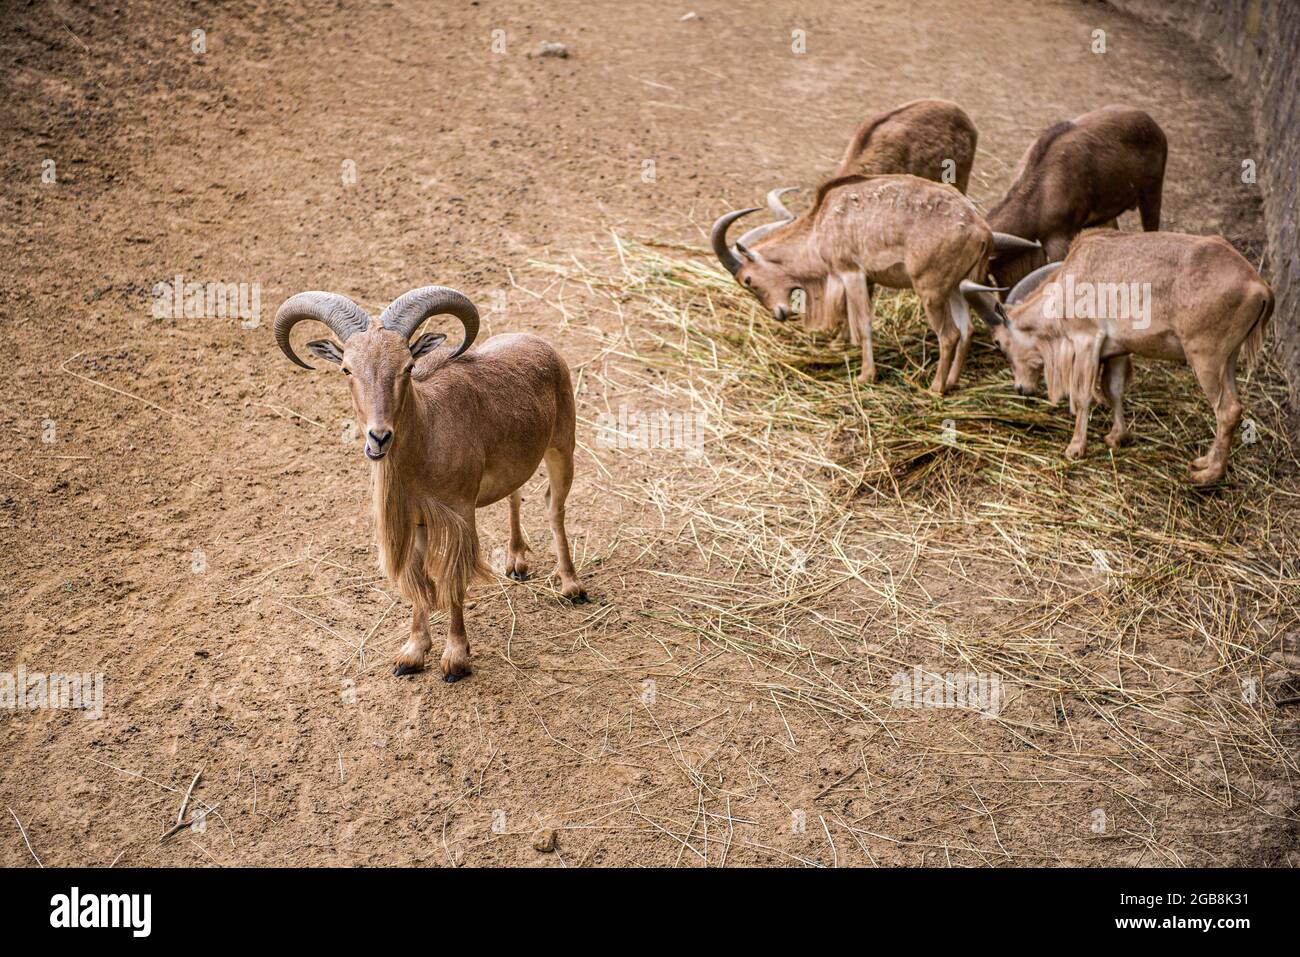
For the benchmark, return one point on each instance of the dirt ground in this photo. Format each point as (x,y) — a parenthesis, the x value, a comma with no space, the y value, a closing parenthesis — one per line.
(180,511)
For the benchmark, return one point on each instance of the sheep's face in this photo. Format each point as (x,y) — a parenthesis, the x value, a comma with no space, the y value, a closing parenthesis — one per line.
(769,283)
(378,364)
(1022,352)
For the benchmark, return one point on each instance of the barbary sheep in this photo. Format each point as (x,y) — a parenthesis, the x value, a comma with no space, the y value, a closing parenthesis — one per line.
(899,231)
(1079,174)
(446,433)
(1169,296)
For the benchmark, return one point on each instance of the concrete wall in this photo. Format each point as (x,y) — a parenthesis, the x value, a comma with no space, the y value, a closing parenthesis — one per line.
(1258,42)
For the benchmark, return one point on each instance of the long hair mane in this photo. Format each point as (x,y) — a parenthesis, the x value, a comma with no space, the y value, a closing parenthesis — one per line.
(451,549)
(1071,363)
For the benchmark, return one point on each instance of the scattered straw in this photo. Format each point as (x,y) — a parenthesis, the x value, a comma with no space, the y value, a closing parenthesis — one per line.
(847,533)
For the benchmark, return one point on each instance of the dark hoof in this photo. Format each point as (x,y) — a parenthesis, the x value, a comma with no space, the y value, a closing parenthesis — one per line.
(452,679)
(402,670)
(519,576)
(580,599)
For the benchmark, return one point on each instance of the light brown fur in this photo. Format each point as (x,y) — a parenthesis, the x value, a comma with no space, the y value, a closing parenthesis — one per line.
(898,231)
(1208,308)
(465,432)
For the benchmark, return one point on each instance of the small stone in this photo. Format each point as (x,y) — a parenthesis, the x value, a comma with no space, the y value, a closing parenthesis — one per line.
(551,48)
(544,840)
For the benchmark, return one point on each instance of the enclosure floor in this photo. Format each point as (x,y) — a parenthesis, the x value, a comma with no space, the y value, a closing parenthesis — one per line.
(180,509)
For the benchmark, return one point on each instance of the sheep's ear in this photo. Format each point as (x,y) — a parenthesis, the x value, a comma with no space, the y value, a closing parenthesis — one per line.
(427,343)
(326,349)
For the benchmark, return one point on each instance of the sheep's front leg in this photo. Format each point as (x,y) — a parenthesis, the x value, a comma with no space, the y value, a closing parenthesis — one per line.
(857,293)
(410,658)
(1055,247)
(936,313)
(960,312)
(1082,405)
(455,653)
(832,312)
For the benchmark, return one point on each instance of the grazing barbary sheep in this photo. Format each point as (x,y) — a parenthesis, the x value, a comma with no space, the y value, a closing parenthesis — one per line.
(1168,296)
(900,231)
(1078,174)
(446,433)
(932,139)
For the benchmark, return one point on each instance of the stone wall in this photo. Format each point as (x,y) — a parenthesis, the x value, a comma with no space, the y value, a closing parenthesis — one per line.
(1258,42)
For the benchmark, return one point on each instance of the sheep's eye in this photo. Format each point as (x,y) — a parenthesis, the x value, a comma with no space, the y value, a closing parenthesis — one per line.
(347,371)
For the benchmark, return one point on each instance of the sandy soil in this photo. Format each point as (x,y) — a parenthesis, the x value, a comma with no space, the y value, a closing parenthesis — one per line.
(197,529)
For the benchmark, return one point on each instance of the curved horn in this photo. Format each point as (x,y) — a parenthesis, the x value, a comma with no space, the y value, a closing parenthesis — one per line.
(1026,286)
(343,316)
(967,287)
(406,313)
(718,238)
(758,232)
(776,206)
(1005,242)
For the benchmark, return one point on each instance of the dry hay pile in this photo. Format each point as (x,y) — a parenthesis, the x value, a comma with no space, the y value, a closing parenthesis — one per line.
(844,534)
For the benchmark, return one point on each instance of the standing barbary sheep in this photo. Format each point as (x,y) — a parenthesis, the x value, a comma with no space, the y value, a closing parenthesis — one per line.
(903,232)
(446,433)
(1078,174)
(1168,296)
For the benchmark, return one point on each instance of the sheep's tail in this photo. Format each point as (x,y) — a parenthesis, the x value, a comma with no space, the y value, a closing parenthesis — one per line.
(1254,341)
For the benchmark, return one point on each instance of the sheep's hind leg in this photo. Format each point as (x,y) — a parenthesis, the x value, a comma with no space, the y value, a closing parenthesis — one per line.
(517,555)
(1219,380)
(559,472)
(1115,377)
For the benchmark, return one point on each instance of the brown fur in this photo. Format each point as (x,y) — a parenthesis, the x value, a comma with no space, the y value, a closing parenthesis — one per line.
(1207,305)
(1078,174)
(898,231)
(465,432)
(916,138)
